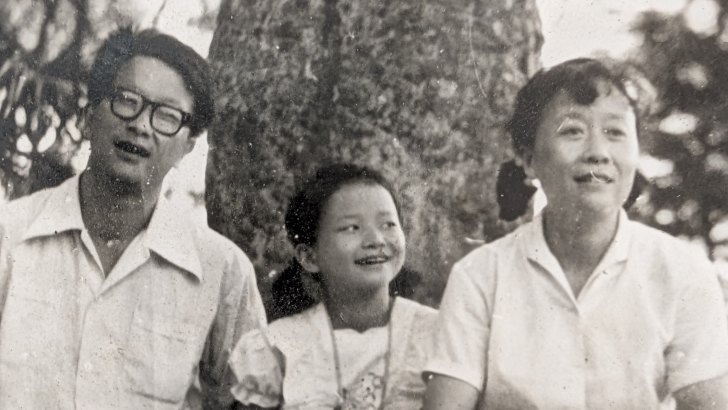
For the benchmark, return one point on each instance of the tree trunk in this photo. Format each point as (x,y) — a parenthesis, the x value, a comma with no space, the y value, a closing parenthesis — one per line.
(418,90)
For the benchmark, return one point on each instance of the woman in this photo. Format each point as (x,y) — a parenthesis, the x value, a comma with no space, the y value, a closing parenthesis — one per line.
(581,308)
(359,347)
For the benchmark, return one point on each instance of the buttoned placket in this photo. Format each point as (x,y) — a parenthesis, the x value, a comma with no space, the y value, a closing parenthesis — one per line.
(96,313)
(605,272)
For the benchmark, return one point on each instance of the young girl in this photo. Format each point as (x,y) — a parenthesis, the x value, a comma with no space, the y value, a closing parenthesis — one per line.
(349,345)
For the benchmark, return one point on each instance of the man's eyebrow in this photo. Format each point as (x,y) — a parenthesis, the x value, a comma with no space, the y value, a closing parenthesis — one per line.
(163,101)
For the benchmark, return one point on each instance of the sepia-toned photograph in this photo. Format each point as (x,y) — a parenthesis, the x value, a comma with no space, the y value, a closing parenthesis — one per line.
(330,204)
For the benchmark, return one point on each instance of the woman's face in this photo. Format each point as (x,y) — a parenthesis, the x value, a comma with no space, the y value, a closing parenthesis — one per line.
(585,156)
(360,244)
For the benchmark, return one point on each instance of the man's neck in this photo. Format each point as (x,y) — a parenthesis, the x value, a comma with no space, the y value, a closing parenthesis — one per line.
(114,210)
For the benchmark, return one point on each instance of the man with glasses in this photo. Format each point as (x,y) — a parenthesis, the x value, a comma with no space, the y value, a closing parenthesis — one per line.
(109,296)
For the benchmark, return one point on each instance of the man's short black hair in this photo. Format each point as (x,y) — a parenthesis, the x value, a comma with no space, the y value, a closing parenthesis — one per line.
(125,44)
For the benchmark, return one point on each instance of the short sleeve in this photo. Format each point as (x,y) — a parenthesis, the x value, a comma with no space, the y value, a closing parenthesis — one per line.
(462,328)
(699,348)
(258,374)
(5,263)
(240,310)
(723,279)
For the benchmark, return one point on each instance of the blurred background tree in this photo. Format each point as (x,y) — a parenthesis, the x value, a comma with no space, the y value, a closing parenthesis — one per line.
(40,89)
(685,56)
(418,90)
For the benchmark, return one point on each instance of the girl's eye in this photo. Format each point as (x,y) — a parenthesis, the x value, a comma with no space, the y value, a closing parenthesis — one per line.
(390,224)
(349,228)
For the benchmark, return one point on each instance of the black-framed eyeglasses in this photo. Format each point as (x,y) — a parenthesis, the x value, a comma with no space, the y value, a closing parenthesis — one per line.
(166,120)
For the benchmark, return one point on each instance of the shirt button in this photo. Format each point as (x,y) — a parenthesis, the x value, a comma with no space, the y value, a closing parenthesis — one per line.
(88,366)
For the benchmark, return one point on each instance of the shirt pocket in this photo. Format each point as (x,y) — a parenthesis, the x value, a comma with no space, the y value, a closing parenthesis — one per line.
(30,319)
(162,357)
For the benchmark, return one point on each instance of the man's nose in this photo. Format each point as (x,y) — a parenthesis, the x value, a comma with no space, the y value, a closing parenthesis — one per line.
(142,124)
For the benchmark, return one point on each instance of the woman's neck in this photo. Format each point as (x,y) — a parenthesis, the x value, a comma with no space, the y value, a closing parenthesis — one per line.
(579,240)
(357,310)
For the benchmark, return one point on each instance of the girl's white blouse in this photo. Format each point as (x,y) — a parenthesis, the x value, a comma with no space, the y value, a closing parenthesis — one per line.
(291,364)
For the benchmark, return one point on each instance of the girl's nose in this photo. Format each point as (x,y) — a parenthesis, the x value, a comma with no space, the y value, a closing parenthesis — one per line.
(373,238)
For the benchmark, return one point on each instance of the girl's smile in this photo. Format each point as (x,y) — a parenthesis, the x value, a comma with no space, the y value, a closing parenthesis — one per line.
(360,243)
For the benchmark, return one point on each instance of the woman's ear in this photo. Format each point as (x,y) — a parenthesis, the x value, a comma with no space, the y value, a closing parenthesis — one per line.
(306,256)
(524,161)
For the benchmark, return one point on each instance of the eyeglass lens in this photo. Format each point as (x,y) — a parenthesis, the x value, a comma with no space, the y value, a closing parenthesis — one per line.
(165,120)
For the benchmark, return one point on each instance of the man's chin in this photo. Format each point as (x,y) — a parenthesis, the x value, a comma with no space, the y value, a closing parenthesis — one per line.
(124,176)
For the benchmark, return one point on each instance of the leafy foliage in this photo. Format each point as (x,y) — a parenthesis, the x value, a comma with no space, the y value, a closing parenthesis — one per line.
(418,90)
(690,73)
(40,90)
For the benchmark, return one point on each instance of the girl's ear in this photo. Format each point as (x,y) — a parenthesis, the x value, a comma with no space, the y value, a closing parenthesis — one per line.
(306,256)
(83,121)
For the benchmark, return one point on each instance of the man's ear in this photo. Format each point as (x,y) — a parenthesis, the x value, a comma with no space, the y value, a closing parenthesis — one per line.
(84,121)
(306,256)
(189,146)
(191,141)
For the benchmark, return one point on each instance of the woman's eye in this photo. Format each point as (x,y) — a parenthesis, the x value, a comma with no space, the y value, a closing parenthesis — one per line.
(570,131)
(615,132)
(349,228)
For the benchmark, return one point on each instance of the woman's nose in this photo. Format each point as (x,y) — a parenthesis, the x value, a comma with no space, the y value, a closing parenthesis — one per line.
(597,148)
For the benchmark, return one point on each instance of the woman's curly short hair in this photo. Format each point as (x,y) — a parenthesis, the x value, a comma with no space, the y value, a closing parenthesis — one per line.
(579,78)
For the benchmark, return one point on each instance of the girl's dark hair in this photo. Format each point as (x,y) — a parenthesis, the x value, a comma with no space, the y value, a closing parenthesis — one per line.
(580,79)
(302,225)
(125,44)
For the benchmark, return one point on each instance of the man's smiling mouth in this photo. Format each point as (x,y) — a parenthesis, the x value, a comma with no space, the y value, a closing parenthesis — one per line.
(131,148)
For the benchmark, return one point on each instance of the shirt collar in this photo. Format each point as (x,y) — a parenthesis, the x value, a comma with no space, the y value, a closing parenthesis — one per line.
(537,250)
(59,213)
(168,233)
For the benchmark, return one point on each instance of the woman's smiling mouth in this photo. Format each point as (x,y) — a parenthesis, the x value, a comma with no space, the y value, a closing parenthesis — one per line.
(592,177)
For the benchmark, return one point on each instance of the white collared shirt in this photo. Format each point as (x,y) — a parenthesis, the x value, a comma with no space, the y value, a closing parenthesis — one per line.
(649,321)
(155,333)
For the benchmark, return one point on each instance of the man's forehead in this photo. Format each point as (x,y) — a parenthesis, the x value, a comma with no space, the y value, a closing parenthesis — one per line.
(155,80)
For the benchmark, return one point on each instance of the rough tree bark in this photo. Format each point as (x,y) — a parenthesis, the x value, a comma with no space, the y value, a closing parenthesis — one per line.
(419,90)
